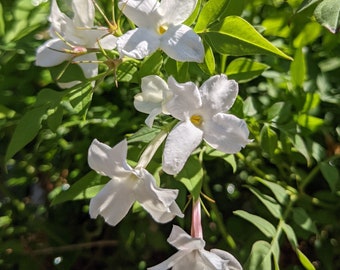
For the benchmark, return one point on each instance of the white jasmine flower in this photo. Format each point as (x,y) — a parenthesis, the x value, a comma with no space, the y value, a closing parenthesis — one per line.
(202,116)
(71,39)
(192,255)
(155,93)
(160,27)
(126,186)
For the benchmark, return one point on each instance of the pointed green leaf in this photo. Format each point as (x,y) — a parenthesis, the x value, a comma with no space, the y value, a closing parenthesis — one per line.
(269,202)
(278,191)
(26,130)
(263,225)
(192,176)
(208,66)
(268,140)
(288,230)
(151,65)
(327,13)
(302,219)
(331,174)
(304,260)
(260,256)
(210,13)
(85,188)
(235,36)
(298,68)
(244,69)
(80,98)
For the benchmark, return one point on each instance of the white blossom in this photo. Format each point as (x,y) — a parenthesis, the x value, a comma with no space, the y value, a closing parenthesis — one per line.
(192,255)
(126,186)
(155,93)
(71,39)
(160,26)
(201,112)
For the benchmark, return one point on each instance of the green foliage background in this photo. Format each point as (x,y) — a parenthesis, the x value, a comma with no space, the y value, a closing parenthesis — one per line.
(276,202)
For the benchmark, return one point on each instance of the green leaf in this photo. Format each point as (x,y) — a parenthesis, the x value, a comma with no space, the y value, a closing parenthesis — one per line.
(54,120)
(26,130)
(304,260)
(300,146)
(288,230)
(145,134)
(194,14)
(151,65)
(244,69)
(302,219)
(80,98)
(331,174)
(307,35)
(208,66)
(192,176)
(260,256)
(310,122)
(279,192)
(210,13)
(2,22)
(127,72)
(230,159)
(263,225)
(85,188)
(268,140)
(327,13)
(298,68)
(279,112)
(307,3)
(30,124)
(235,36)
(269,202)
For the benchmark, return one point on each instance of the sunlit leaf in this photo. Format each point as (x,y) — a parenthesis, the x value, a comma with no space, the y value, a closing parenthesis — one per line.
(279,192)
(298,68)
(268,140)
(84,188)
(235,36)
(327,13)
(304,260)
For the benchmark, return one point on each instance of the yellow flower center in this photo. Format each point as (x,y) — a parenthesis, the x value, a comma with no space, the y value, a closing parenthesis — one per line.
(162,29)
(196,119)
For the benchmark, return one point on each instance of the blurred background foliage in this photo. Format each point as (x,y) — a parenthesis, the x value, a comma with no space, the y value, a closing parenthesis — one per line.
(288,175)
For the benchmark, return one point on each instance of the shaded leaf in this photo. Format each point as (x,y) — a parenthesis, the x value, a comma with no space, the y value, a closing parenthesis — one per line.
(302,219)
(268,140)
(279,192)
(244,69)
(260,256)
(263,225)
(331,174)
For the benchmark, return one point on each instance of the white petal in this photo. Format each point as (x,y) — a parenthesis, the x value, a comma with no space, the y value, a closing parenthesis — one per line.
(59,21)
(186,99)
(212,261)
(159,203)
(87,64)
(108,42)
(83,13)
(152,115)
(142,13)
(218,93)
(171,262)
(106,160)
(182,44)
(232,263)
(226,133)
(138,43)
(181,240)
(51,53)
(113,201)
(182,140)
(176,11)
(152,94)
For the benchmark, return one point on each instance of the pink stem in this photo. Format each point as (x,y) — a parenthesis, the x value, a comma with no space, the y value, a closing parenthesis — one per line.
(196,226)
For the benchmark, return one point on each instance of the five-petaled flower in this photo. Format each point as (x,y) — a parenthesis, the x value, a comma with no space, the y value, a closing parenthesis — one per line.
(160,27)
(155,93)
(126,186)
(71,39)
(192,255)
(202,116)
